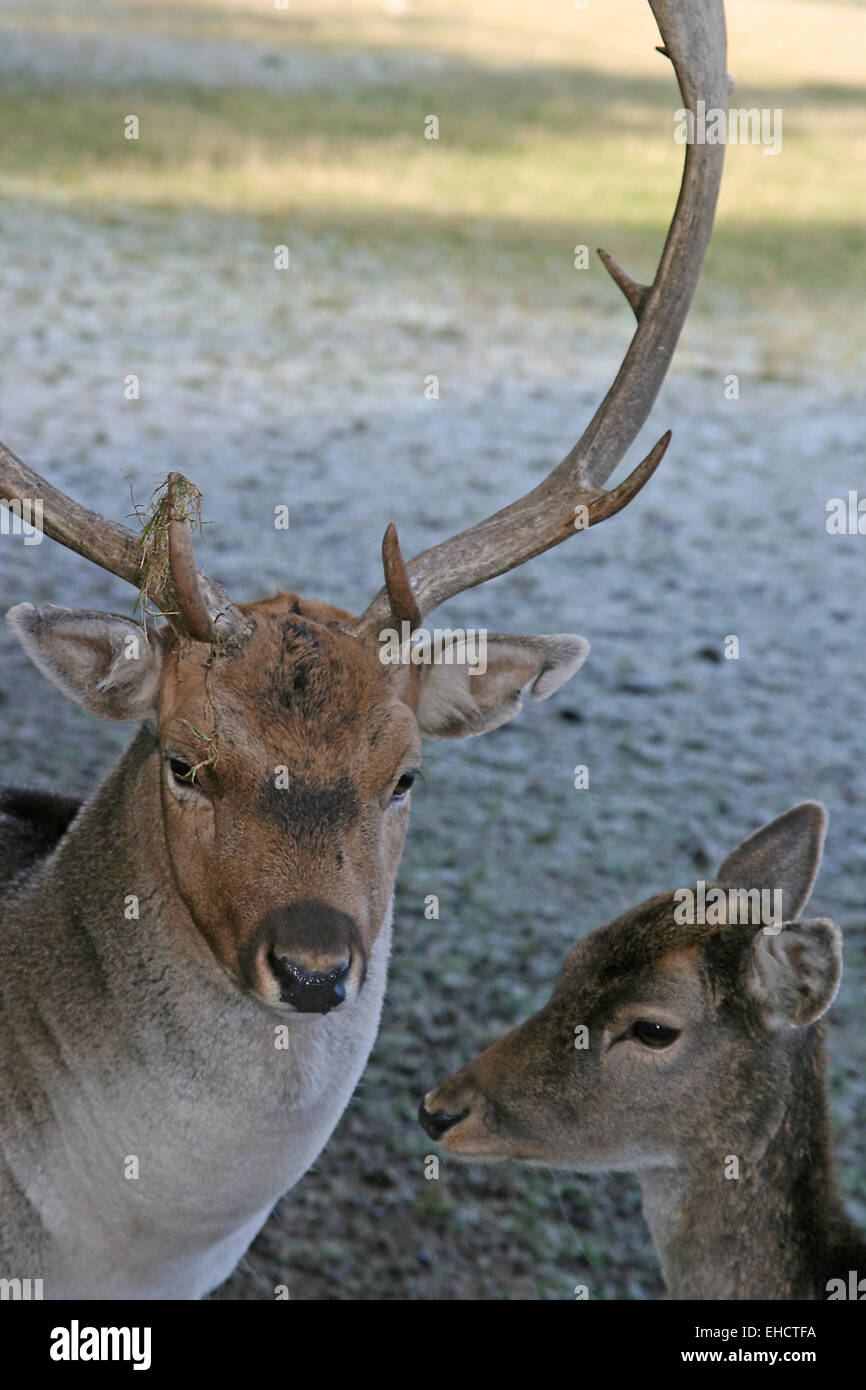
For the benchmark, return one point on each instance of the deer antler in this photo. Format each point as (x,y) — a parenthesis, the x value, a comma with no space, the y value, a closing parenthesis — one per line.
(188,592)
(693,33)
(200,602)
(397,582)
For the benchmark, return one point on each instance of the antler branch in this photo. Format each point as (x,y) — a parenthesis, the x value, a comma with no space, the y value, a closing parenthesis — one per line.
(693,33)
(199,601)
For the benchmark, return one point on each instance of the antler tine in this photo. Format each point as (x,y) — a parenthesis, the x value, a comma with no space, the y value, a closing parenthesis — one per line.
(116,549)
(610,501)
(188,596)
(636,294)
(533,532)
(404,605)
(693,34)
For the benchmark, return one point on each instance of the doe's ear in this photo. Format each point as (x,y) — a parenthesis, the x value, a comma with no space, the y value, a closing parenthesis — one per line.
(101,661)
(783,855)
(795,974)
(459,697)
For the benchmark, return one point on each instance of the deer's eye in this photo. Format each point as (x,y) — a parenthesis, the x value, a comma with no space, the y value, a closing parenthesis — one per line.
(653,1034)
(181,771)
(404,784)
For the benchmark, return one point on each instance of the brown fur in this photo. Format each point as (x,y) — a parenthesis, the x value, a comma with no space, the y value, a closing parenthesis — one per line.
(214,1030)
(744,1079)
(303,695)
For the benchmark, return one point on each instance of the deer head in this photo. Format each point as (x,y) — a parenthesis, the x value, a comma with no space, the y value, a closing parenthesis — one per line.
(287,753)
(289,884)
(663,1038)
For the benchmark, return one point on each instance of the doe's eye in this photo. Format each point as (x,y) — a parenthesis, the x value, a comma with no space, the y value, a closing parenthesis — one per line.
(404,784)
(181,771)
(653,1034)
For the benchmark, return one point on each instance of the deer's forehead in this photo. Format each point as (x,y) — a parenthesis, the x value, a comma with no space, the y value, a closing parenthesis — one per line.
(282,651)
(642,958)
(295,689)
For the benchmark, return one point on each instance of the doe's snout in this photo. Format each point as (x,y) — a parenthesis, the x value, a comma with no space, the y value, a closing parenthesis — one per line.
(314,953)
(438,1122)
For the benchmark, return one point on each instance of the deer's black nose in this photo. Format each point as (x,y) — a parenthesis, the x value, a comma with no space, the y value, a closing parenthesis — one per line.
(313,991)
(438,1122)
(314,953)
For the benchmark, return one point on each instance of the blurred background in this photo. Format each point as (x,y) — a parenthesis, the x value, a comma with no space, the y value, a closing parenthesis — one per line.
(410,257)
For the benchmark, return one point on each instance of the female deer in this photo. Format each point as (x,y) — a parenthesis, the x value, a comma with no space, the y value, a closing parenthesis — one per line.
(693,1055)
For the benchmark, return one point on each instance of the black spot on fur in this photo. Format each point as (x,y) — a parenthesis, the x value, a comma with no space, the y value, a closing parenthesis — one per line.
(302,678)
(308,808)
(31,824)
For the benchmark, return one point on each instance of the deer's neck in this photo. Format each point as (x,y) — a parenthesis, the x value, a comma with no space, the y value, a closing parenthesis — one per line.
(775,1231)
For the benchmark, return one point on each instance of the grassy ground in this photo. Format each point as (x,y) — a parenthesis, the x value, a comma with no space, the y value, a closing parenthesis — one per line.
(314,118)
(410,256)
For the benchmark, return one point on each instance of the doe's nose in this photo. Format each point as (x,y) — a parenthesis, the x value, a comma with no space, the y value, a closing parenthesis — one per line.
(438,1122)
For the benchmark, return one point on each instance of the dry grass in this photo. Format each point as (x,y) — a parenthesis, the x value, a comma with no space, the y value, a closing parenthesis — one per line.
(555,126)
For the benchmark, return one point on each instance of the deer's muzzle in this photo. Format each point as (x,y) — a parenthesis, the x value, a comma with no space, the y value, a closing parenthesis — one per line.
(311,954)
(438,1122)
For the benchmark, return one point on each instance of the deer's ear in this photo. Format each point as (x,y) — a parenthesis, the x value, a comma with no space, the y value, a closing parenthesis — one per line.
(468,692)
(795,974)
(784,854)
(99,660)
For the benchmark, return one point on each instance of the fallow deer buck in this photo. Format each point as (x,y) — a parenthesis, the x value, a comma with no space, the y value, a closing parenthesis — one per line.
(264,910)
(701,1069)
